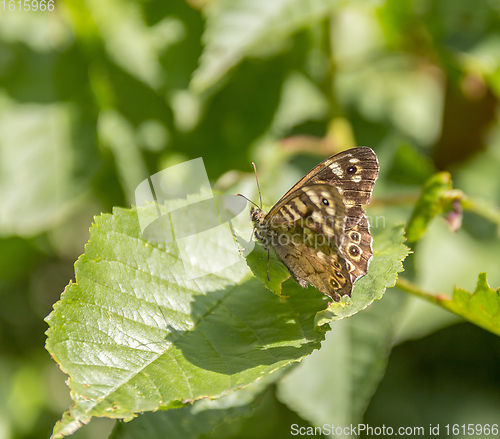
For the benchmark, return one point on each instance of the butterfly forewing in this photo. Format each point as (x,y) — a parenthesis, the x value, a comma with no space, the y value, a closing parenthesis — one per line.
(326,272)
(352,172)
(318,208)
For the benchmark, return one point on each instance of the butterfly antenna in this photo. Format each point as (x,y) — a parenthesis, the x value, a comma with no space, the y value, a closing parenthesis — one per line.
(258,187)
(250,201)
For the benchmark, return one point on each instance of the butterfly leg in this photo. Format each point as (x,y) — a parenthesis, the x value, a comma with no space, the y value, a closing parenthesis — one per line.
(248,243)
(268,266)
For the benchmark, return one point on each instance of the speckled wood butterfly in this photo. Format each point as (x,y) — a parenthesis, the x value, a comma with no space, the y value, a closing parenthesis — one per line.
(319,229)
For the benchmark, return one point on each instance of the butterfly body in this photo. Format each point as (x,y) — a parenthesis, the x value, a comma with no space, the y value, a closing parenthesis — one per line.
(319,229)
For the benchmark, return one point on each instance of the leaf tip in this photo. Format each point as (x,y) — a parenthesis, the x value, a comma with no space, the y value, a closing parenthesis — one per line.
(482,283)
(66,426)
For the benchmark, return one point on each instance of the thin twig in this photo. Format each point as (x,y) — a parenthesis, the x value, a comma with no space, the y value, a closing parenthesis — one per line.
(482,208)
(392,200)
(409,287)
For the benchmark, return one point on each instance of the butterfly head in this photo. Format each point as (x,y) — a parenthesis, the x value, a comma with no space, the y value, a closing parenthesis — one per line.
(256,215)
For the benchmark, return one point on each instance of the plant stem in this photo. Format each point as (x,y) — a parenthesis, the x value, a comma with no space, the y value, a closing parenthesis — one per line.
(409,287)
(482,208)
(395,200)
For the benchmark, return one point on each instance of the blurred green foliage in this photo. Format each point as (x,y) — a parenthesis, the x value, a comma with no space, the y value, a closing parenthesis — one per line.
(96,96)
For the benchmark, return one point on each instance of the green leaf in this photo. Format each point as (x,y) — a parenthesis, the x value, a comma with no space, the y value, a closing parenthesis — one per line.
(301,101)
(434,199)
(236,28)
(481,307)
(134,334)
(336,383)
(197,419)
(37,189)
(130,42)
(389,252)
(278,273)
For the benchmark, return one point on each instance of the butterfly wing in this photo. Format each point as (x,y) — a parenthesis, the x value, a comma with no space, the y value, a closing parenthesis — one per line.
(327,273)
(353,173)
(334,170)
(304,229)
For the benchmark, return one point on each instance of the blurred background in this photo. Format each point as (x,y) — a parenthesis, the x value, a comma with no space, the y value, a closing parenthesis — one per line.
(96,96)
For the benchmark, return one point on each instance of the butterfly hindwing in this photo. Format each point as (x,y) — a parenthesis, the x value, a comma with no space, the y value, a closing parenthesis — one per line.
(327,273)
(356,247)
